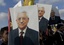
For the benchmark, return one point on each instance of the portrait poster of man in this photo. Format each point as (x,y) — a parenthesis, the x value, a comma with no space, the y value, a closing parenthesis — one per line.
(47,9)
(44,15)
(25,26)
(54,17)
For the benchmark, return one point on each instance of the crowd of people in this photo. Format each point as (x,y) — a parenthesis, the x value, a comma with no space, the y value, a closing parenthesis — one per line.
(50,32)
(51,37)
(53,34)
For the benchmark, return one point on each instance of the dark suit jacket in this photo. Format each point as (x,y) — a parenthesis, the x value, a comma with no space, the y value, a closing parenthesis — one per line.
(0,42)
(59,38)
(43,24)
(31,37)
(4,44)
(56,21)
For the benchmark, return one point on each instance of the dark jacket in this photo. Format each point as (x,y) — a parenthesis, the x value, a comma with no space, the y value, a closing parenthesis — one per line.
(31,37)
(43,24)
(59,38)
(4,43)
(55,21)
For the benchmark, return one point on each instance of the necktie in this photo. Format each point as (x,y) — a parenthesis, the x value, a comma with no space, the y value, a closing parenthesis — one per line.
(21,37)
(39,18)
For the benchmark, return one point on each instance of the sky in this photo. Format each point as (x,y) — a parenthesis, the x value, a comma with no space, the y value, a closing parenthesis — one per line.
(6,4)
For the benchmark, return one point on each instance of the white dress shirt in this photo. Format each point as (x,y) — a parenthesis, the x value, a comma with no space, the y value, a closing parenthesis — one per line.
(23,31)
(40,19)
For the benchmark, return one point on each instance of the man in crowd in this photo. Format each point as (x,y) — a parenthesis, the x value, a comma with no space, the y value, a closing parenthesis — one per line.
(4,35)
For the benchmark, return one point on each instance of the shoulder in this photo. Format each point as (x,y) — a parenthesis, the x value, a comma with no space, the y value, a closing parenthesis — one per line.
(32,31)
(57,16)
(44,19)
(33,34)
(13,31)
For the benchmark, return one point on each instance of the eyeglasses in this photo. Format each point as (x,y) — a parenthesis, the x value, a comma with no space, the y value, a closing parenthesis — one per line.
(22,18)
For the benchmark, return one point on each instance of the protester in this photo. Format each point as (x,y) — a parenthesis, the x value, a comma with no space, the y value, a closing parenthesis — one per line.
(4,35)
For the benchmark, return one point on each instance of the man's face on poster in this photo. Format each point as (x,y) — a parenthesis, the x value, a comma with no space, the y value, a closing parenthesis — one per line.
(41,11)
(22,20)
